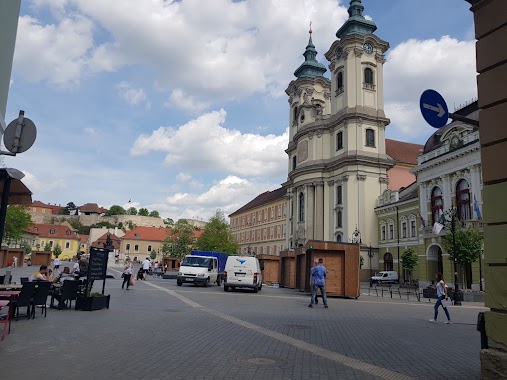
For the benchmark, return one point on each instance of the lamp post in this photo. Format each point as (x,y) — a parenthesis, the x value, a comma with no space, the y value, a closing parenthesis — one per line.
(452,213)
(480,270)
(370,255)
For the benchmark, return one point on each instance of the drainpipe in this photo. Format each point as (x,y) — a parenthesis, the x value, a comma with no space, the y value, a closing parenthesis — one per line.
(398,236)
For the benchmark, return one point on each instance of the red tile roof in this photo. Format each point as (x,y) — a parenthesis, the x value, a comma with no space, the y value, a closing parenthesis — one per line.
(59,231)
(152,233)
(92,208)
(403,152)
(99,243)
(84,238)
(267,197)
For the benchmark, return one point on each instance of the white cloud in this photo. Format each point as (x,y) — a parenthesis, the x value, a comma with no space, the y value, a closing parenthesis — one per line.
(446,65)
(214,50)
(133,96)
(60,51)
(90,131)
(228,194)
(204,144)
(186,102)
(183,177)
(38,186)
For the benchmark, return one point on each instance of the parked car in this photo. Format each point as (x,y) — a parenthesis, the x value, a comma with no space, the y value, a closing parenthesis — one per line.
(385,277)
(243,272)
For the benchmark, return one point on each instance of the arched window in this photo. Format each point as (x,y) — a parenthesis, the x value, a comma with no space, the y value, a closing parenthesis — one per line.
(437,204)
(463,200)
(339,83)
(301,207)
(149,248)
(339,140)
(339,195)
(339,238)
(295,115)
(67,232)
(339,217)
(294,162)
(368,76)
(370,138)
(388,261)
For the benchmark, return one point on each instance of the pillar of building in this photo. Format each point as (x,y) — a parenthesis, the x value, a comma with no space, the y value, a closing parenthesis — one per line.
(310,212)
(490,18)
(319,211)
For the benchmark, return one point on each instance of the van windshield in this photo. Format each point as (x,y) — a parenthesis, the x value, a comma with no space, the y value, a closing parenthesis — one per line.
(195,262)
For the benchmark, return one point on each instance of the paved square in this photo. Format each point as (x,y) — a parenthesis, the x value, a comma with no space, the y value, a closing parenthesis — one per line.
(158,330)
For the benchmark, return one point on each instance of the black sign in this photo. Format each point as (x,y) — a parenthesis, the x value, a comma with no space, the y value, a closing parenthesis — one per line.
(97,266)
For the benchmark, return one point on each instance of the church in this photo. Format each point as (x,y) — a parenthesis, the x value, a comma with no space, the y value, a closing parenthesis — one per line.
(340,164)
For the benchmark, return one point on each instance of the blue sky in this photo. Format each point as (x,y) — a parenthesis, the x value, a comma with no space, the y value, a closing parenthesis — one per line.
(180,106)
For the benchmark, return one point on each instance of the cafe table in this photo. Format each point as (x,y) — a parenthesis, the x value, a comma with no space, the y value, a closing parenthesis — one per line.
(11,286)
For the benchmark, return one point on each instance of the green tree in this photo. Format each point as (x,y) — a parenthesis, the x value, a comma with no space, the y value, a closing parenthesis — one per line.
(153,255)
(465,247)
(409,260)
(154,214)
(180,241)
(26,246)
(217,236)
(47,247)
(132,211)
(57,250)
(115,210)
(169,221)
(143,212)
(17,220)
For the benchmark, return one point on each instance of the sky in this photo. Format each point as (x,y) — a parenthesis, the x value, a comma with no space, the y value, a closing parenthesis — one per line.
(180,106)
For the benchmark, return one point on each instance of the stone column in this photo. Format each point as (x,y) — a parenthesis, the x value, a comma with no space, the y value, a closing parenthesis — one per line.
(319,211)
(446,191)
(328,223)
(490,18)
(309,212)
(345,214)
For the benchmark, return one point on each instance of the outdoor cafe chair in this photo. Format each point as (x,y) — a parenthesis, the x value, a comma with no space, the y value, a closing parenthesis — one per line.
(7,278)
(40,297)
(25,298)
(24,279)
(5,318)
(69,292)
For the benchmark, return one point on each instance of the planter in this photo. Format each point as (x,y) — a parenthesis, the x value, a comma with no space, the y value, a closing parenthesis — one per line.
(92,303)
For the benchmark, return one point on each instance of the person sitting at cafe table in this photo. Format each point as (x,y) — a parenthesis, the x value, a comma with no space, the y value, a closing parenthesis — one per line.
(65,275)
(40,275)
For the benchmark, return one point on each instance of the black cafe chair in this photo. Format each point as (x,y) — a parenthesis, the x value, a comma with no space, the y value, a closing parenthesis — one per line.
(25,298)
(40,297)
(69,292)
(24,279)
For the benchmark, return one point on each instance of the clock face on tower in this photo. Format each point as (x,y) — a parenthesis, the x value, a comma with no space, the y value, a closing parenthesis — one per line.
(368,48)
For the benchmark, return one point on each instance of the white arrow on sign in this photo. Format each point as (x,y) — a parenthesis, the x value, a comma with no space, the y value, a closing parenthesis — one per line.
(438,108)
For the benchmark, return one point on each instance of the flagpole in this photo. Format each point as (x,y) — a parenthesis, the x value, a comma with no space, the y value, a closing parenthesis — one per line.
(457,301)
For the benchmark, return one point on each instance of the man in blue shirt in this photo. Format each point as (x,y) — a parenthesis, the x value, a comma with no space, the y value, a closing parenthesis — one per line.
(318,276)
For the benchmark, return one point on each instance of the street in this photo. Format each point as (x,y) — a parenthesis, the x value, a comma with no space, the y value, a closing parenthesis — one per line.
(158,330)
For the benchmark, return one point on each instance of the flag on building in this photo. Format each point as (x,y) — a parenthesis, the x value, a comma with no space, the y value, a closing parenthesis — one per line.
(476,208)
(442,219)
(423,223)
(437,227)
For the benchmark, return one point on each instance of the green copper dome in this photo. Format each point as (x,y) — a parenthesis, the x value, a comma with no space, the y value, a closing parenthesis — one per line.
(310,68)
(356,24)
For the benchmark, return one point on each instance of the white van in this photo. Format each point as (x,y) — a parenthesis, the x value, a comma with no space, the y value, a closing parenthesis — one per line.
(389,276)
(242,272)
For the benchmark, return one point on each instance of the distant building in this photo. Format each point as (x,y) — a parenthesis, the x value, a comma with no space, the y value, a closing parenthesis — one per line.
(38,207)
(91,209)
(260,226)
(53,234)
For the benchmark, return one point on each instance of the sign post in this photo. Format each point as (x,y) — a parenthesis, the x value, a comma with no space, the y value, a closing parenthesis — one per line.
(434,109)
(97,266)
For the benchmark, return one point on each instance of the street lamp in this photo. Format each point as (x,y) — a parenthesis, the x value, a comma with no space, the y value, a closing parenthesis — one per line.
(452,214)
(480,270)
(370,255)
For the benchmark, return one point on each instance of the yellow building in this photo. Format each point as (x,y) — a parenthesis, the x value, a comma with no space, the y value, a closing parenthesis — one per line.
(53,234)
(260,226)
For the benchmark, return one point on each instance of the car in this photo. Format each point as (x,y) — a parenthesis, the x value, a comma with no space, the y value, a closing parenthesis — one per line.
(385,277)
(243,272)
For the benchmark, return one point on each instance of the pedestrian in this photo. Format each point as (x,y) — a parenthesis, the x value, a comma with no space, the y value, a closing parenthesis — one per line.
(15,262)
(441,294)
(315,262)
(146,266)
(127,274)
(56,265)
(319,282)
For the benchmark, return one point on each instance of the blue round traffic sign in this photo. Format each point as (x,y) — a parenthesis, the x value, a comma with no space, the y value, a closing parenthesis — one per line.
(434,109)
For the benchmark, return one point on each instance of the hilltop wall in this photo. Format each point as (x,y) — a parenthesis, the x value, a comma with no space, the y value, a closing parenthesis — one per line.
(89,220)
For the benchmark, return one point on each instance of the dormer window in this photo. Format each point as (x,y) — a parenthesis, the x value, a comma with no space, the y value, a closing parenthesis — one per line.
(67,232)
(52,231)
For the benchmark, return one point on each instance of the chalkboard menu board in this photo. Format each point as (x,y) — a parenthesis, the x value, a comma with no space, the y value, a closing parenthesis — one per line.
(97,266)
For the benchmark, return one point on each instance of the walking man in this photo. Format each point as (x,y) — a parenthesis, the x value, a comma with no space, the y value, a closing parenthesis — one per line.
(315,263)
(146,267)
(318,275)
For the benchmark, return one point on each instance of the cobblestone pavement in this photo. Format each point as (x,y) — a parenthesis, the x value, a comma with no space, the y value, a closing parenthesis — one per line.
(159,330)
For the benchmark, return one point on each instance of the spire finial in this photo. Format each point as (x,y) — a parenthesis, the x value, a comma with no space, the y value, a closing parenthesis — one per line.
(310,31)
